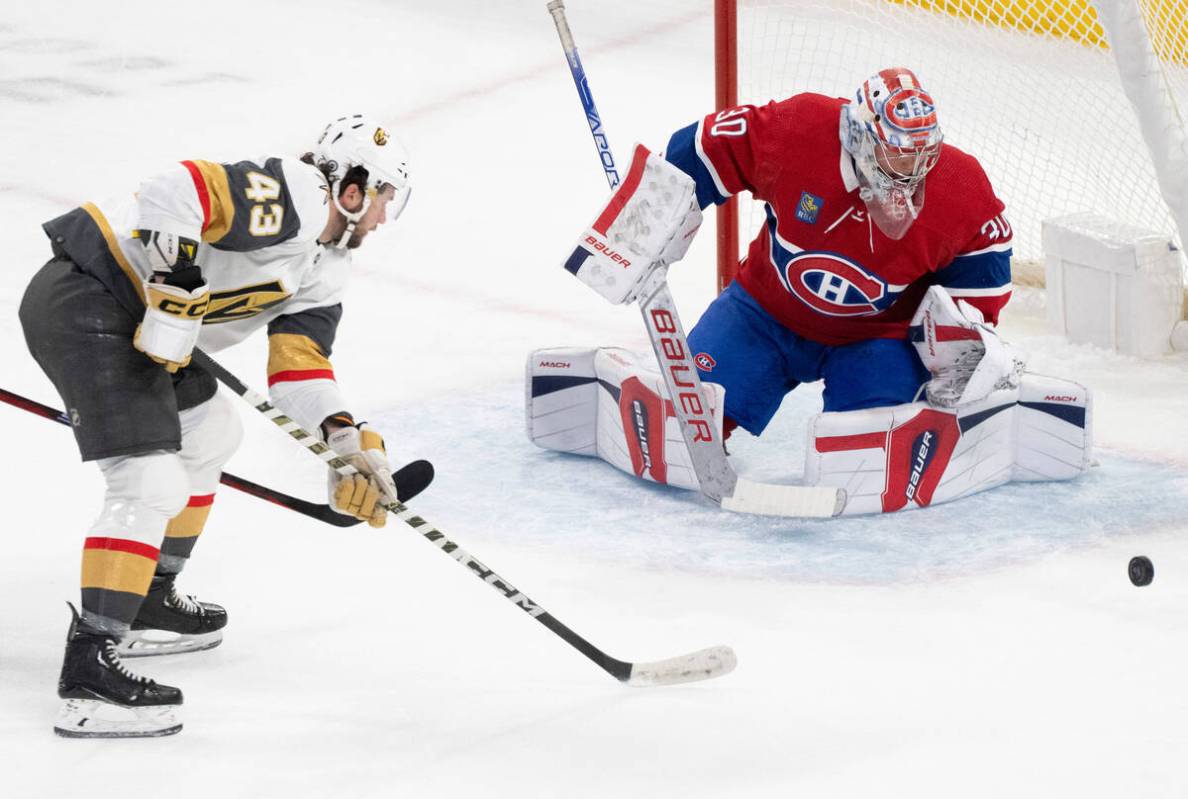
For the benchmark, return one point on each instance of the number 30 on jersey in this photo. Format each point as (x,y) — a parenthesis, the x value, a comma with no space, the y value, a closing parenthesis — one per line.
(731,122)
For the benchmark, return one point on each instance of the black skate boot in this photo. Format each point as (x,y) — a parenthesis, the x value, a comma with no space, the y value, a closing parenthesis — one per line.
(102,699)
(169,623)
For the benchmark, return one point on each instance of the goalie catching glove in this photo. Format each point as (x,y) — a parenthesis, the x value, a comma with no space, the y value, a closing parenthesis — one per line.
(966,358)
(361,495)
(648,223)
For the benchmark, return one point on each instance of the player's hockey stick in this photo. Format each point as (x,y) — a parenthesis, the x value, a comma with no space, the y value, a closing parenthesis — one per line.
(410,480)
(715,475)
(701,665)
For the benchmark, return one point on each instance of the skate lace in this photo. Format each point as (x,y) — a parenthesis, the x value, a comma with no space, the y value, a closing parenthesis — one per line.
(185,602)
(113,660)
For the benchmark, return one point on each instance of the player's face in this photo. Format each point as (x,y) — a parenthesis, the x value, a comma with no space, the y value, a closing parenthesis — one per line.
(376,215)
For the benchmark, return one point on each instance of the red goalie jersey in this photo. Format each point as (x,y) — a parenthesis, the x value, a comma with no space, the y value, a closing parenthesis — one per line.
(819,264)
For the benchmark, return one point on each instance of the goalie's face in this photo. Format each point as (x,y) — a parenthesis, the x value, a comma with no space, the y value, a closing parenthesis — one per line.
(906,166)
(890,129)
(891,184)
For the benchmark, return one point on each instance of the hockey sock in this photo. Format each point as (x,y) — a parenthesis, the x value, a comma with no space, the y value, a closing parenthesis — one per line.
(116,573)
(182,533)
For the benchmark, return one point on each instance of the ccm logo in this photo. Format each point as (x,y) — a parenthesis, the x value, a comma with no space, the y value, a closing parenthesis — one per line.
(174,308)
(608,252)
(1060,398)
(684,375)
(491,578)
(554,365)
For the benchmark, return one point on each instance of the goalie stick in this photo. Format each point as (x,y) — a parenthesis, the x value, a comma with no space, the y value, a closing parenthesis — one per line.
(700,665)
(715,475)
(411,479)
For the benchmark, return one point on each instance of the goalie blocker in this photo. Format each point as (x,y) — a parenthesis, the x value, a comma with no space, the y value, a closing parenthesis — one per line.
(648,223)
(608,403)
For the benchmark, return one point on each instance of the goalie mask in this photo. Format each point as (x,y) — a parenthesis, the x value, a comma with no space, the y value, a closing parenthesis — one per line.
(359,141)
(890,130)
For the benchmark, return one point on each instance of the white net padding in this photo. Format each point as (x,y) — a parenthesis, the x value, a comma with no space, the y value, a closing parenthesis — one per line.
(1030,88)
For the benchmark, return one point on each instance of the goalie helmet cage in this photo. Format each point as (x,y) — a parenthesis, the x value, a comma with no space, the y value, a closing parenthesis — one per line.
(1061,121)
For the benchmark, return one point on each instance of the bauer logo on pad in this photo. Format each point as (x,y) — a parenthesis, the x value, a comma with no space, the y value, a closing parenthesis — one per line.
(809,207)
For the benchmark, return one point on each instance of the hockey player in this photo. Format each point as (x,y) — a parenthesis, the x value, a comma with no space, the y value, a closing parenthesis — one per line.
(853,279)
(204,253)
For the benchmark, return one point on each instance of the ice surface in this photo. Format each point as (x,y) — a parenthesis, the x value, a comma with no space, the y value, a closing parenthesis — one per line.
(580,504)
(989,648)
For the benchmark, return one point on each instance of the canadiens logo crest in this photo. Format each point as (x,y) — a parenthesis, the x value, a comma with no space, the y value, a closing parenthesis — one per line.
(910,110)
(833,285)
(704,361)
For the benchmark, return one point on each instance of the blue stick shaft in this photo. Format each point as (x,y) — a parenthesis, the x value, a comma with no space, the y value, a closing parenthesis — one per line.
(601,143)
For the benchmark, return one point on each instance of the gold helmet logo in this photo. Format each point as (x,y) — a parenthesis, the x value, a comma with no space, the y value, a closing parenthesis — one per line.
(381,136)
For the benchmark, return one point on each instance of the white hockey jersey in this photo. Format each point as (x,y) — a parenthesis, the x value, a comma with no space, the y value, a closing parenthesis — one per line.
(258,222)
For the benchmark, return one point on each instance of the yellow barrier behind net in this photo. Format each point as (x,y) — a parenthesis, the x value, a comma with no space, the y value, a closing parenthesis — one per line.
(1074,20)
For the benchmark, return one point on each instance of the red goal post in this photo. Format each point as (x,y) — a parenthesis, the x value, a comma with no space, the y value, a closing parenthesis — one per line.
(726,96)
(1062,121)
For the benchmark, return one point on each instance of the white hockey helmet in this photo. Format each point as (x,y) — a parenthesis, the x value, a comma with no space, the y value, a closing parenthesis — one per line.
(358,140)
(890,129)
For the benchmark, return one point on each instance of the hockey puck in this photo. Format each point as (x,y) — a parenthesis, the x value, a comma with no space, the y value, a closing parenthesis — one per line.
(1141,570)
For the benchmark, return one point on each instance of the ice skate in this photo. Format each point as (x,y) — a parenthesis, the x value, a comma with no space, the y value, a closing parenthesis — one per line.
(102,699)
(171,623)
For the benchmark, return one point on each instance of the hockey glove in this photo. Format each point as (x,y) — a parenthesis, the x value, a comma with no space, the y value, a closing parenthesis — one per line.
(648,222)
(362,495)
(965,356)
(172,322)
(175,298)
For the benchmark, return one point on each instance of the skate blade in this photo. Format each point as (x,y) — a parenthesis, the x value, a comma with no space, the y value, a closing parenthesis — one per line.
(147,643)
(94,718)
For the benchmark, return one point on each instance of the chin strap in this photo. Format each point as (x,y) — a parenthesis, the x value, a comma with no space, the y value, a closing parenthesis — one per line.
(351,218)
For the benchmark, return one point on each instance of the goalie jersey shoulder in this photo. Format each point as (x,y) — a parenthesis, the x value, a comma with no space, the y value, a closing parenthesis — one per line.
(250,205)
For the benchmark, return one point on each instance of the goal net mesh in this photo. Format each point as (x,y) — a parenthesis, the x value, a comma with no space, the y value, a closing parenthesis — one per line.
(1028,87)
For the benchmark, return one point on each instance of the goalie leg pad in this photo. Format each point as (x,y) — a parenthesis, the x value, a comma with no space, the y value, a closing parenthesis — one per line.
(1054,429)
(914,455)
(611,404)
